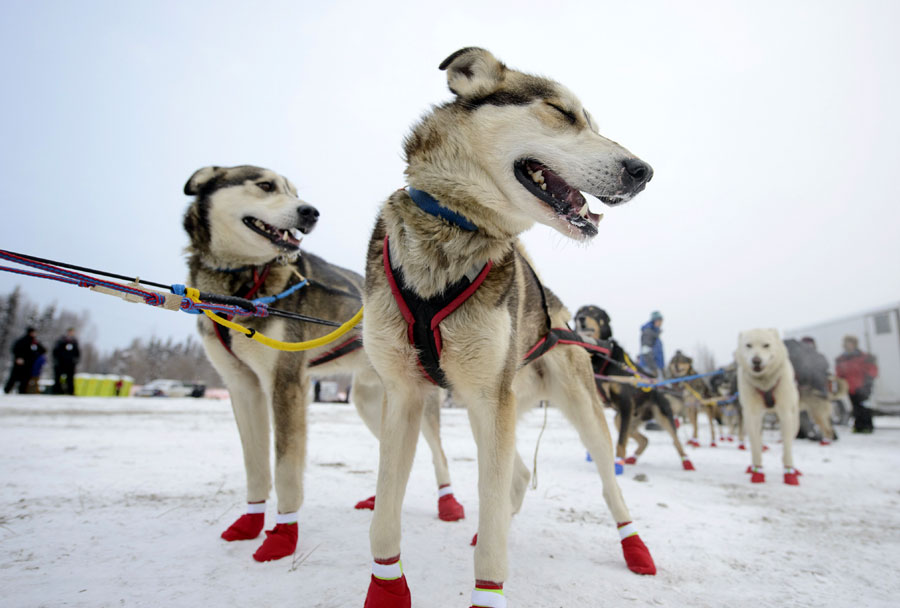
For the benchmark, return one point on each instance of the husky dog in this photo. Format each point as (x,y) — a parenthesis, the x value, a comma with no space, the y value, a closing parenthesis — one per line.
(633,405)
(245,227)
(692,396)
(766,384)
(451,297)
(725,386)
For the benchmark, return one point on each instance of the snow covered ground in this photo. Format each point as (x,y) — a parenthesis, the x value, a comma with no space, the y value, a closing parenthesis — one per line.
(120,502)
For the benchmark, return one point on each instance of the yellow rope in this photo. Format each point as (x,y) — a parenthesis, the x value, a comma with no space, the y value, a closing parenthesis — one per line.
(194,295)
(637,376)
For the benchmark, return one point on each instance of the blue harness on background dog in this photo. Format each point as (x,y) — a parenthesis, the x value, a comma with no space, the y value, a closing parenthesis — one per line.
(423,316)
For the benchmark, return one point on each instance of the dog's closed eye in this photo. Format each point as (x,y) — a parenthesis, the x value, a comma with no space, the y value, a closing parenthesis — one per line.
(569,115)
(266,186)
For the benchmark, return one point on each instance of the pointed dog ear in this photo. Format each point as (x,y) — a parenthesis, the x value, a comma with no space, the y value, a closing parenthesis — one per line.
(472,72)
(199,178)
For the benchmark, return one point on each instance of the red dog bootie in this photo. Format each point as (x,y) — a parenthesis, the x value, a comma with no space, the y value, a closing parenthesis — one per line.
(387,587)
(757,476)
(741,446)
(474,540)
(713,444)
(249,525)
(637,556)
(488,595)
(686,464)
(368,503)
(281,540)
(790,476)
(825,441)
(693,443)
(448,507)
(631,460)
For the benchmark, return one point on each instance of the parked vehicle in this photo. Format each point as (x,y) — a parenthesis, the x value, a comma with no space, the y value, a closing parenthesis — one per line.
(166,388)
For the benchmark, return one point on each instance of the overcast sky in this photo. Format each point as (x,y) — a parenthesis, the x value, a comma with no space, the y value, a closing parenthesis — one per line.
(771,126)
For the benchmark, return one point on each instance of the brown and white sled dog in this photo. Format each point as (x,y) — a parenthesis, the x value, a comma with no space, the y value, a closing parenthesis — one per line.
(694,394)
(633,405)
(450,296)
(766,384)
(245,226)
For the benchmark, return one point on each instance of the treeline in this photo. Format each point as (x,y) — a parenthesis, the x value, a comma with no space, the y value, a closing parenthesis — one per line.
(143,359)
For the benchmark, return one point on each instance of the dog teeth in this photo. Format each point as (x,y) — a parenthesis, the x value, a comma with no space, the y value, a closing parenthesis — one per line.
(543,186)
(295,232)
(537,176)
(583,212)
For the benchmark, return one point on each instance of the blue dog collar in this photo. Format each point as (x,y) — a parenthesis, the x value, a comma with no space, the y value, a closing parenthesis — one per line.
(430,205)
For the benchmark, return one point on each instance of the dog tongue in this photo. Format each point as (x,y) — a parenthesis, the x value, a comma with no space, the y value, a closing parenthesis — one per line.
(558,187)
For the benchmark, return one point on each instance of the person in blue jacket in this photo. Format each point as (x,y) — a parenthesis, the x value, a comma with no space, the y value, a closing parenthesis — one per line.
(651,357)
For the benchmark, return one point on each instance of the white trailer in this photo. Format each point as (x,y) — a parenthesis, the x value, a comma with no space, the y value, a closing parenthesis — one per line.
(878,331)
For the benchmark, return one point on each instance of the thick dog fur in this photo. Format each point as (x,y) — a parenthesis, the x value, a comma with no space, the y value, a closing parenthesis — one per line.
(633,406)
(679,366)
(764,366)
(224,250)
(464,154)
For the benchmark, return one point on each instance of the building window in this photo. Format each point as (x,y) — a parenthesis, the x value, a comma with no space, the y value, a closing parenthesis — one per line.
(883,323)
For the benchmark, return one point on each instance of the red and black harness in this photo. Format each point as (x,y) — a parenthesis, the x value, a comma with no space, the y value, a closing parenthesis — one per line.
(424,315)
(769,395)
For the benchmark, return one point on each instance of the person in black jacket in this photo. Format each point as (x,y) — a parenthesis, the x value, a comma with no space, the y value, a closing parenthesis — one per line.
(65,358)
(26,351)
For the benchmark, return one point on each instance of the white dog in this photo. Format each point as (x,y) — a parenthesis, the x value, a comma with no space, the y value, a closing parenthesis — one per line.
(766,384)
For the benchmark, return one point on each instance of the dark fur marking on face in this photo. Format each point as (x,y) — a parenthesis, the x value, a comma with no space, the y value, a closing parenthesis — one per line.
(520,96)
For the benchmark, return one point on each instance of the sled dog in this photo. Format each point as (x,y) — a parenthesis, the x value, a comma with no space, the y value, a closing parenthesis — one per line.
(633,405)
(452,299)
(693,394)
(766,384)
(245,225)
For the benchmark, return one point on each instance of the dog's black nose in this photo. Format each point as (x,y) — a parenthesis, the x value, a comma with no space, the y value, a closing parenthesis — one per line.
(308,213)
(637,171)
(756,361)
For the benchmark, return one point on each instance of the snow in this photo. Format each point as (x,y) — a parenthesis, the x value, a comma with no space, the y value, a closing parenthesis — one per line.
(120,501)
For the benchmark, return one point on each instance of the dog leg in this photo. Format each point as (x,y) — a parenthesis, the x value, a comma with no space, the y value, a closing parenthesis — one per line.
(401,417)
(449,508)
(642,442)
(289,410)
(581,405)
(624,415)
(521,477)
(820,409)
(667,422)
(789,422)
(251,413)
(754,431)
(493,424)
(710,413)
(693,416)
(367,396)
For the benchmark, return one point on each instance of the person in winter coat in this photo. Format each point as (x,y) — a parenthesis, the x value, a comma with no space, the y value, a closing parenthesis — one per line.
(26,352)
(65,358)
(651,357)
(859,370)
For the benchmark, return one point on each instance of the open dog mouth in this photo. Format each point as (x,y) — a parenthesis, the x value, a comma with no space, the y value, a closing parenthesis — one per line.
(551,189)
(286,238)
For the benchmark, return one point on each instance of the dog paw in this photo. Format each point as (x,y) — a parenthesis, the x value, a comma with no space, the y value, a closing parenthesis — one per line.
(388,594)
(368,503)
(637,556)
(687,465)
(449,509)
(825,442)
(281,541)
(791,479)
(758,477)
(693,443)
(713,445)
(742,447)
(246,527)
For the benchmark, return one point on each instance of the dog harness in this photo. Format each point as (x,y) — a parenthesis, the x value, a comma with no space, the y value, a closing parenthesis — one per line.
(221,333)
(769,395)
(423,316)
